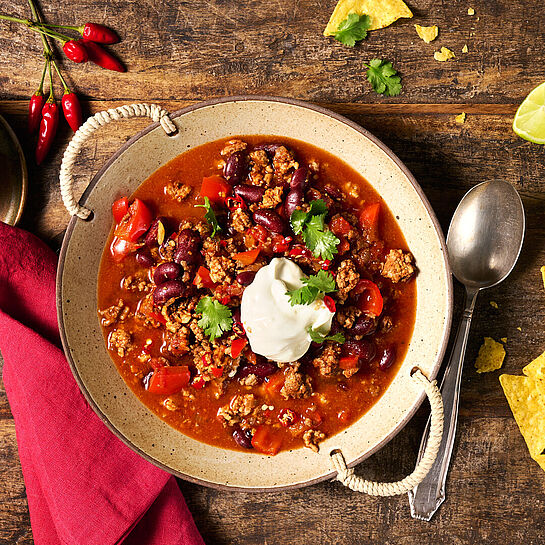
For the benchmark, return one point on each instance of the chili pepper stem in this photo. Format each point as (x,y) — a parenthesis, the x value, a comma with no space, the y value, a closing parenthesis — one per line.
(37,27)
(68,27)
(41,87)
(51,95)
(36,15)
(66,89)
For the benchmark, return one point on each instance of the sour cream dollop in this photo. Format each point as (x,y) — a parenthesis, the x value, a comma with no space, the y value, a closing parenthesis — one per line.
(276,329)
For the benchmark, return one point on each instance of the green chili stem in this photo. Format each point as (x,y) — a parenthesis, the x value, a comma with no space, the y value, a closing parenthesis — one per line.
(66,89)
(51,95)
(41,87)
(36,27)
(69,27)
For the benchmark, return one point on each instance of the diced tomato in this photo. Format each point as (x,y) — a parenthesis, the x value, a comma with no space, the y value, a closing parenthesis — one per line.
(265,441)
(216,371)
(315,416)
(274,383)
(198,383)
(339,226)
(202,279)
(237,346)
(344,246)
(287,417)
(300,251)
(135,223)
(169,380)
(215,188)
(326,263)
(370,301)
(329,303)
(349,362)
(120,208)
(248,257)
(157,316)
(369,218)
(120,248)
(157,363)
(281,244)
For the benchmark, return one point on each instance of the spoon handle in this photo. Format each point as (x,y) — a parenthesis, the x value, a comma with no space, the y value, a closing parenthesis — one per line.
(426,498)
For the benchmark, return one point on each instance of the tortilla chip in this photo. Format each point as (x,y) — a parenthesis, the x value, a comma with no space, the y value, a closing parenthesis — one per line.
(461,118)
(494,304)
(543,275)
(529,412)
(519,328)
(444,55)
(536,368)
(465,49)
(503,340)
(427,33)
(491,355)
(470,11)
(382,13)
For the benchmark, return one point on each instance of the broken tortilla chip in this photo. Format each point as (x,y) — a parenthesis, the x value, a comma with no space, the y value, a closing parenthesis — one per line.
(470,11)
(543,275)
(494,304)
(503,340)
(491,355)
(444,55)
(427,33)
(461,118)
(536,368)
(382,13)
(529,411)
(465,49)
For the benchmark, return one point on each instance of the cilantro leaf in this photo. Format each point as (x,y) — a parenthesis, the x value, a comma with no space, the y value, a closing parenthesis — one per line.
(319,337)
(352,29)
(210,217)
(382,76)
(314,286)
(311,225)
(216,318)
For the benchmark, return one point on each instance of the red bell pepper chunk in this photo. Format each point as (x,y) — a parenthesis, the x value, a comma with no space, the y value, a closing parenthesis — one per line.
(169,380)
(156,363)
(216,371)
(274,383)
(120,209)
(135,223)
(349,362)
(247,258)
(215,188)
(198,383)
(265,441)
(339,226)
(370,301)
(120,248)
(369,218)
(202,279)
(237,345)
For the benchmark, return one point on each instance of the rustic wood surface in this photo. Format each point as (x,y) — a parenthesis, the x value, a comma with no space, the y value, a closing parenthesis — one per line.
(182,52)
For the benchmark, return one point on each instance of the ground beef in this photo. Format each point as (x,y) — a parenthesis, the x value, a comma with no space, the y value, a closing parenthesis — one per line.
(239,407)
(261,172)
(115,313)
(120,341)
(167,250)
(347,316)
(398,266)
(240,220)
(232,146)
(283,163)
(177,191)
(272,197)
(178,342)
(221,269)
(295,384)
(328,360)
(386,324)
(311,438)
(347,278)
(136,283)
(250,380)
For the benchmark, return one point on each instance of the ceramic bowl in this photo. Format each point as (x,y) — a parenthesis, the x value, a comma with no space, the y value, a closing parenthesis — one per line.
(81,334)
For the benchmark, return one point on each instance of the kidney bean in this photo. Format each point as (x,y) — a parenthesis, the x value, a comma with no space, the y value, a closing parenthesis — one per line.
(269,148)
(151,236)
(245,278)
(293,200)
(250,193)
(168,290)
(143,257)
(269,219)
(364,326)
(299,178)
(187,248)
(365,350)
(165,272)
(261,369)
(235,168)
(242,437)
(333,191)
(388,358)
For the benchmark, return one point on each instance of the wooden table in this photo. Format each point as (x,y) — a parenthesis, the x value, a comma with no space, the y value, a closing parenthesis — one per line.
(183,52)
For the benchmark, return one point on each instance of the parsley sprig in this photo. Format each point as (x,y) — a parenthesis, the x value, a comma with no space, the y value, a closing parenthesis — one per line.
(319,337)
(323,243)
(382,76)
(216,318)
(210,216)
(352,29)
(315,285)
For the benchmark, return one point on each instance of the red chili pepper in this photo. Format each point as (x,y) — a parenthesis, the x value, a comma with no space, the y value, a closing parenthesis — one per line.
(72,110)
(99,33)
(76,51)
(101,57)
(329,303)
(35,107)
(48,129)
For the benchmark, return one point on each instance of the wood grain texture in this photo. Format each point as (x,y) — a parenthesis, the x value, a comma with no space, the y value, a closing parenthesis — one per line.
(179,53)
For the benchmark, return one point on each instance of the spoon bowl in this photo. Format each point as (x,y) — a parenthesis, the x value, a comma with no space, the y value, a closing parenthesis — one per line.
(486,233)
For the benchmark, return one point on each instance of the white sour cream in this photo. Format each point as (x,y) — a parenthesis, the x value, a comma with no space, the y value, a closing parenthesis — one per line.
(276,329)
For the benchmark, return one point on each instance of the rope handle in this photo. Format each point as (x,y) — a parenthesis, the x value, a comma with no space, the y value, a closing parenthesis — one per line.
(357,484)
(66,178)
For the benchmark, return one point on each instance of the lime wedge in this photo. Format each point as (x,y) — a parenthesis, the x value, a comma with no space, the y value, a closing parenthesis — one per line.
(529,122)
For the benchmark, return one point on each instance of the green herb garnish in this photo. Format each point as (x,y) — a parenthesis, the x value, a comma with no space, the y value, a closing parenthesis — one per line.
(314,286)
(216,318)
(210,216)
(323,243)
(318,337)
(352,29)
(382,76)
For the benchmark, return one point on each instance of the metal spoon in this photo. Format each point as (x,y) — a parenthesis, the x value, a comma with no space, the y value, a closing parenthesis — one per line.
(484,241)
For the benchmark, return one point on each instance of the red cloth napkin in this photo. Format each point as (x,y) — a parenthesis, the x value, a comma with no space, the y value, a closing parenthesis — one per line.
(84,486)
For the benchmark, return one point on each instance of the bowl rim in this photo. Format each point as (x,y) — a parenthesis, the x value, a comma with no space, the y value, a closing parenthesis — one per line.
(293,102)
